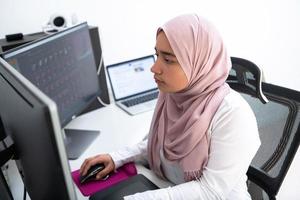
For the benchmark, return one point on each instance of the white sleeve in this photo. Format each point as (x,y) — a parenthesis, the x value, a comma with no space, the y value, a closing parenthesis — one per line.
(129,153)
(234,142)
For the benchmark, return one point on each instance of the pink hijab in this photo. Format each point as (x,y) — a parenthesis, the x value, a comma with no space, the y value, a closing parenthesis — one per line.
(181,120)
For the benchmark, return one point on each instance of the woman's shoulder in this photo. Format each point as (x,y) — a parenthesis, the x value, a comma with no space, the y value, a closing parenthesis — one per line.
(234,102)
(234,112)
(235,123)
(234,134)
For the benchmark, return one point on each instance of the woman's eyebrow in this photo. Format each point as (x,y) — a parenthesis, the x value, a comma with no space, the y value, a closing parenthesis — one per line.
(165,52)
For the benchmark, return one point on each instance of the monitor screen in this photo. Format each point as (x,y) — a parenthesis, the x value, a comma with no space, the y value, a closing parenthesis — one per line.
(62,65)
(31,120)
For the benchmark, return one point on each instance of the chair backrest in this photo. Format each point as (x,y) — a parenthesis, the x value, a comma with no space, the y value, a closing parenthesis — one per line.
(279,128)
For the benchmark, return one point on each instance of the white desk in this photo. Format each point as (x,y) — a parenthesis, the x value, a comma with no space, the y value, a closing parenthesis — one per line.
(120,129)
(117,129)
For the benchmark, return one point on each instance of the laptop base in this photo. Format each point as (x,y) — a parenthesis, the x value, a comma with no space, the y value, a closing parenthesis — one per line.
(139,108)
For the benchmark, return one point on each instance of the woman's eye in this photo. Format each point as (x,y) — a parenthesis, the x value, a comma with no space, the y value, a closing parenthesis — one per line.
(164,58)
(169,61)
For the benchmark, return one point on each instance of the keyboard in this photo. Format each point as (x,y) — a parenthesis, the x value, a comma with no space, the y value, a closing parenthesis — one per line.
(140,99)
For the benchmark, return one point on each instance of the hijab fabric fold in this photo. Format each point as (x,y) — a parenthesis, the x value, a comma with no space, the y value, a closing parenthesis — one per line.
(181,120)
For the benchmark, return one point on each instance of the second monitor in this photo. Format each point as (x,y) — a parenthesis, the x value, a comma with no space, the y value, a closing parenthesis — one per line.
(62,65)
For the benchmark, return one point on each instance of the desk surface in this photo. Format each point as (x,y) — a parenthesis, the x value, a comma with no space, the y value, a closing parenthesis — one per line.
(116,127)
(119,129)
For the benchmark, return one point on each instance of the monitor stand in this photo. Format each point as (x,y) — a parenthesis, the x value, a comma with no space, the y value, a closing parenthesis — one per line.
(77,141)
(7,152)
(5,193)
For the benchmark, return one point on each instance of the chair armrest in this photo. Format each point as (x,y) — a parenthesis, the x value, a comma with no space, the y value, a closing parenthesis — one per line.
(261,178)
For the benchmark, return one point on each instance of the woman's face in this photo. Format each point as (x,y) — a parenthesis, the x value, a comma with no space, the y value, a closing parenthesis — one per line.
(168,73)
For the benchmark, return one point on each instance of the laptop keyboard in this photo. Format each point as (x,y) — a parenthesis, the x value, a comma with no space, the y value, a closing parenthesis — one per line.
(140,99)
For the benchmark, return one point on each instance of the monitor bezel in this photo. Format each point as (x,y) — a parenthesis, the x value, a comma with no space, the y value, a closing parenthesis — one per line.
(13,77)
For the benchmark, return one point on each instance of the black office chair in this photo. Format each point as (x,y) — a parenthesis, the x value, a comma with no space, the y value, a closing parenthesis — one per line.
(277,111)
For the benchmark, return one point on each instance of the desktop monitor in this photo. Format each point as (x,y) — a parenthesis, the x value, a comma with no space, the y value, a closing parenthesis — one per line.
(62,65)
(31,120)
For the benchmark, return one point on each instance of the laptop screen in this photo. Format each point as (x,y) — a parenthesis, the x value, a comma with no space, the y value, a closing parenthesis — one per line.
(131,77)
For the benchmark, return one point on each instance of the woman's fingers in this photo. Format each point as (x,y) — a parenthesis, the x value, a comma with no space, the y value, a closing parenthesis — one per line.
(90,162)
(106,171)
(102,158)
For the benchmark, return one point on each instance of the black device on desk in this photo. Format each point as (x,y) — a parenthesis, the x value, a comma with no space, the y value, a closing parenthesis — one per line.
(62,65)
(132,185)
(31,119)
(91,173)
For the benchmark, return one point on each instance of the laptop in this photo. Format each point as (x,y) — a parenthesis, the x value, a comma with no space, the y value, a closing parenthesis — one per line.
(133,85)
(132,185)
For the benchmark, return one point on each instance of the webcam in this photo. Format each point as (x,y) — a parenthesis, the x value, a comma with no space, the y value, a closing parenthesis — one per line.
(57,22)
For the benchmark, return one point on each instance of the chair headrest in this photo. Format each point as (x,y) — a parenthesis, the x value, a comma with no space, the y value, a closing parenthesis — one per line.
(246,77)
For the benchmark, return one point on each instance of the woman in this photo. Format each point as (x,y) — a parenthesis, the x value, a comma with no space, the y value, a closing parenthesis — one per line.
(203,134)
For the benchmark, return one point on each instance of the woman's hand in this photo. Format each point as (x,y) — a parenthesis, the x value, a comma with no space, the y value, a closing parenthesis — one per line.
(101,158)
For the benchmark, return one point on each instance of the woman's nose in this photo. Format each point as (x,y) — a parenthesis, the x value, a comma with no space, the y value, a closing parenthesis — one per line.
(155,68)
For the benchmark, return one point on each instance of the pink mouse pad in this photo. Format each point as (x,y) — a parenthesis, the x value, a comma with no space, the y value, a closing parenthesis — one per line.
(91,187)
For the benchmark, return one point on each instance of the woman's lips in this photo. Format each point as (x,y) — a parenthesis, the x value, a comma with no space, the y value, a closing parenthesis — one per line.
(157,80)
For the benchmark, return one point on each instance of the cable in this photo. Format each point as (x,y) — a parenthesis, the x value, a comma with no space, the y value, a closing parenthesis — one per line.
(98,73)
(100,65)
(24,194)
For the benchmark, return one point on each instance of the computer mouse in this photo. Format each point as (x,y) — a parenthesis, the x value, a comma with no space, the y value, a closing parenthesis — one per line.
(91,173)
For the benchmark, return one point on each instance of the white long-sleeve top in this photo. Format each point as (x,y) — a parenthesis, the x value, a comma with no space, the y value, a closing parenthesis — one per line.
(234,142)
